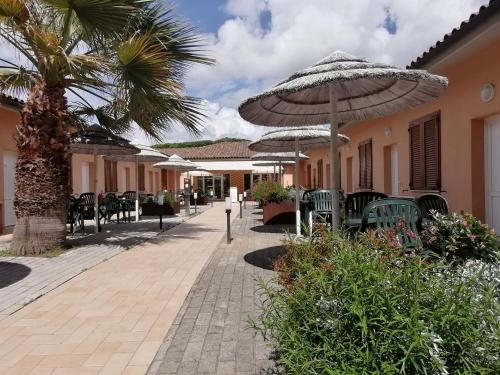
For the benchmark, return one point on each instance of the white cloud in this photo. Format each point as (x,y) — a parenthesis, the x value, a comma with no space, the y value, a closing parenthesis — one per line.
(251,58)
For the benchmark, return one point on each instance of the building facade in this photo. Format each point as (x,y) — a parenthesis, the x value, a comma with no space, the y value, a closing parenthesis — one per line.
(449,146)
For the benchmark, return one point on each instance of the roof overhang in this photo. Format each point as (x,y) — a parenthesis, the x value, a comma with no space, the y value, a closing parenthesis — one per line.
(461,44)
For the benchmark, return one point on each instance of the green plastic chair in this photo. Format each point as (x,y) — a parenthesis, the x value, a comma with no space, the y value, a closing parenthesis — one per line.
(387,213)
(355,203)
(432,202)
(320,204)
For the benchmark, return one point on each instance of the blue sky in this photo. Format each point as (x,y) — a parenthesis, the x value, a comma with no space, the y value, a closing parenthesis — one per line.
(206,15)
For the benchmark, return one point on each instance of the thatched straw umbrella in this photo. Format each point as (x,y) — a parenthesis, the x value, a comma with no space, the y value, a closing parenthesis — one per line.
(279,157)
(339,89)
(146,154)
(176,163)
(96,140)
(295,138)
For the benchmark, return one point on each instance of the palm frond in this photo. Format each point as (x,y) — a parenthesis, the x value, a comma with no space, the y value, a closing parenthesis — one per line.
(16,81)
(12,9)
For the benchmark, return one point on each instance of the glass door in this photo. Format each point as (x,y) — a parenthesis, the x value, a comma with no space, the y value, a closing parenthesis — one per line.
(218,187)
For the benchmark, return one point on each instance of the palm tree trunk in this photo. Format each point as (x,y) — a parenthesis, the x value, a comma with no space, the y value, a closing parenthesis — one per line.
(42,171)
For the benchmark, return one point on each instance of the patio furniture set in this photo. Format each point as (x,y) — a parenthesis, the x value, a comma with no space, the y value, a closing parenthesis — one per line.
(365,210)
(82,208)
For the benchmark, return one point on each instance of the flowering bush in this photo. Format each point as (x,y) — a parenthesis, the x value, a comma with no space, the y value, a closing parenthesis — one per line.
(391,239)
(458,237)
(351,309)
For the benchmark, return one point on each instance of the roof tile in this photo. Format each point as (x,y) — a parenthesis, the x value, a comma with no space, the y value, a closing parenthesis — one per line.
(223,150)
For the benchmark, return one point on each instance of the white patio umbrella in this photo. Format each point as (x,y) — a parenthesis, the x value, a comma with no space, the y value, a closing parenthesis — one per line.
(273,164)
(278,157)
(176,163)
(295,138)
(96,140)
(145,154)
(339,89)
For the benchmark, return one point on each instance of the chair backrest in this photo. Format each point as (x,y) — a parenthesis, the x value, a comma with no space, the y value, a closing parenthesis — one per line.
(307,194)
(87,199)
(355,203)
(129,195)
(430,202)
(321,200)
(401,215)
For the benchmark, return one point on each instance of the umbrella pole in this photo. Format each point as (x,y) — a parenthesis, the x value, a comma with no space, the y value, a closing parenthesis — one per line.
(274,172)
(280,174)
(96,197)
(334,158)
(175,183)
(136,189)
(296,183)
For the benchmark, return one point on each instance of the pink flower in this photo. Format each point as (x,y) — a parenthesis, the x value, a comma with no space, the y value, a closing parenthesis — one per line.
(411,234)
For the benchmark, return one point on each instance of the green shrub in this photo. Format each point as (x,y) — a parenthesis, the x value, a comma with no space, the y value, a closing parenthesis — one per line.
(270,192)
(354,309)
(458,237)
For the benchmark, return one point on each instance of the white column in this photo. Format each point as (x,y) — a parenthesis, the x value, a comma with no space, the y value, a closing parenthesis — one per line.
(136,188)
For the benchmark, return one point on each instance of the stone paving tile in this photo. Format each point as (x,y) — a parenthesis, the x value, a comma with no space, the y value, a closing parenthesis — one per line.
(24,279)
(210,333)
(113,318)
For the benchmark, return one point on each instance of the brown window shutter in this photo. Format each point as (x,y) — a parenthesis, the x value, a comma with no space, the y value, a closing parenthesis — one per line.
(369,165)
(425,155)
(417,176)
(107,175)
(142,179)
(365,165)
(432,154)
(362,166)
(114,176)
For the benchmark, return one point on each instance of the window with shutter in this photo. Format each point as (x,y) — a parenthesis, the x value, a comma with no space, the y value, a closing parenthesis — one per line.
(110,176)
(319,165)
(425,155)
(365,165)
(142,178)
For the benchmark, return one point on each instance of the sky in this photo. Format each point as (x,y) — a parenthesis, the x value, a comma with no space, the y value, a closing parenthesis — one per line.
(257,43)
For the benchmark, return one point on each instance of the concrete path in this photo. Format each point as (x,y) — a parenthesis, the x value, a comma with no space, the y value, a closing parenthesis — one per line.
(210,334)
(112,318)
(24,279)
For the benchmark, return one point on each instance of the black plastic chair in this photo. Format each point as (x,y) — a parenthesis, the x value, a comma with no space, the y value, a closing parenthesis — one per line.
(355,203)
(112,206)
(74,218)
(432,202)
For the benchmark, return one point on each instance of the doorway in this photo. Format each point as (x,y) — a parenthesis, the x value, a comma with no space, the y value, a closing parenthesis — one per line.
(492,183)
(9,173)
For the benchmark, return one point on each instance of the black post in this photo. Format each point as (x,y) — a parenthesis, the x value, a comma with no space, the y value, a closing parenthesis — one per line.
(212,200)
(228,214)
(245,203)
(241,210)
(195,206)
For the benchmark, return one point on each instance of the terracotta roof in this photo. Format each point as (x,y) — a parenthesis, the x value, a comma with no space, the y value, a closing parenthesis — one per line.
(11,100)
(485,13)
(223,150)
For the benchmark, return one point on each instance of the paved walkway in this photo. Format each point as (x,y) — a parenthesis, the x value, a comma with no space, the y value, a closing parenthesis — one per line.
(112,318)
(24,279)
(210,334)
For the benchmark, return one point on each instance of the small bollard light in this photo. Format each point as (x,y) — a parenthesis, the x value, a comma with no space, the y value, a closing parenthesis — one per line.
(240,200)
(212,197)
(195,196)
(245,200)
(228,214)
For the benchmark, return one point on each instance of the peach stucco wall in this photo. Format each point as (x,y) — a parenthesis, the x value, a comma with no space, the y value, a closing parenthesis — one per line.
(462,135)
(153,179)
(9,118)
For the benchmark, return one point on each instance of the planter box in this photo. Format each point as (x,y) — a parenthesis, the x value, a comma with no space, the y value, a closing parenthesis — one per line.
(154,209)
(202,201)
(279,213)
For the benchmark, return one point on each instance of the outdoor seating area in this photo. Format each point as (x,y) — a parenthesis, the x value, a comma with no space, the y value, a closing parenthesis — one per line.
(365,210)
(151,225)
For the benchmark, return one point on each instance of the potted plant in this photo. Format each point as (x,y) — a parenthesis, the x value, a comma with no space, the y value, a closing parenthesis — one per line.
(201,201)
(277,205)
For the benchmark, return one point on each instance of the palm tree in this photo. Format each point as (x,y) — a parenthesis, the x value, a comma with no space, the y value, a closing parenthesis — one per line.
(130,55)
